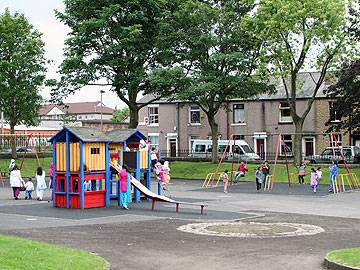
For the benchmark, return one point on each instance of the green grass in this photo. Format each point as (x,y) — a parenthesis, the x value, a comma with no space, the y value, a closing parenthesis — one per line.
(29,166)
(349,257)
(199,170)
(22,254)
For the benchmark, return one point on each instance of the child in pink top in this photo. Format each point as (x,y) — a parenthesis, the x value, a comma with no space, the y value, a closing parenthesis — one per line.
(314,178)
(225,180)
(124,187)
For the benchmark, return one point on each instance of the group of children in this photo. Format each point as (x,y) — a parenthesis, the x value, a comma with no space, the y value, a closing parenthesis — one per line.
(263,171)
(18,184)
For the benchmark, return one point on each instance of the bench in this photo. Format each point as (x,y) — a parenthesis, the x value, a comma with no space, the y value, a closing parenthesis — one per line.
(202,205)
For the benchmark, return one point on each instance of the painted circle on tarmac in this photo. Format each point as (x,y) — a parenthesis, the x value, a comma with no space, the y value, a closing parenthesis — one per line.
(251,229)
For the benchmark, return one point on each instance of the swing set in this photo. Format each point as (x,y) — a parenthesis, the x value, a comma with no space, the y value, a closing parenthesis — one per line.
(351,178)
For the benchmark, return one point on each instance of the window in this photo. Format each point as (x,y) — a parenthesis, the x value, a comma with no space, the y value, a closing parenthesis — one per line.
(154,141)
(191,141)
(194,114)
(336,140)
(200,148)
(239,137)
(153,115)
(95,151)
(333,112)
(79,116)
(288,145)
(285,116)
(238,114)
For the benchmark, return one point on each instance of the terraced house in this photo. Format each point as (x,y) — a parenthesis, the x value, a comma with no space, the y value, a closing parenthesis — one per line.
(172,126)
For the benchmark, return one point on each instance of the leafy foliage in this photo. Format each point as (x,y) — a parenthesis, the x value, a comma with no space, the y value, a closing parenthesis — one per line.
(120,115)
(22,70)
(215,57)
(116,44)
(300,35)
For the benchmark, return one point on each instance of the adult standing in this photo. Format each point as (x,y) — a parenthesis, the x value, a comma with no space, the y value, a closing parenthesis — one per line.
(40,183)
(125,190)
(12,164)
(265,169)
(16,181)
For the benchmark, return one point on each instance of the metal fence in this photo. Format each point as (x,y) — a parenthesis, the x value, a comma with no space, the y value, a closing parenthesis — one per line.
(34,143)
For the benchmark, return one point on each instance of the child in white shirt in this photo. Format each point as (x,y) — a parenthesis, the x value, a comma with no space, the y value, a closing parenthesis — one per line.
(29,188)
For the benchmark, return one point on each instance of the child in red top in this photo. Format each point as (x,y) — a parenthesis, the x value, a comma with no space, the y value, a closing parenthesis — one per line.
(125,193)
(240,171)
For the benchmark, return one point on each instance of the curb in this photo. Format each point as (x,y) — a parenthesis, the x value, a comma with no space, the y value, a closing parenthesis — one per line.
(335,266)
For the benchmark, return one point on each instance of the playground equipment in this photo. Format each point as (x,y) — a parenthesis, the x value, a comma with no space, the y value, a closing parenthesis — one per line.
(268,181)
(87,162)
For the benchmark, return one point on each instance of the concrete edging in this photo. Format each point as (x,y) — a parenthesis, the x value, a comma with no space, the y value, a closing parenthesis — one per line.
(336,266)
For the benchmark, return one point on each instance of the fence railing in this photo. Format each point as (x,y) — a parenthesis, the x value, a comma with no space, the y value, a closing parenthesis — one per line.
(36,142)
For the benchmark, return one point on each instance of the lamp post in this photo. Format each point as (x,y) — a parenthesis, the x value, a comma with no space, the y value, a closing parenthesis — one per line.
(101,109)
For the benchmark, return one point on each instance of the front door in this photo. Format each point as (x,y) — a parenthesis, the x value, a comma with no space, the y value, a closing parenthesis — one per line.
(260,148)
(173,147)
(309,146)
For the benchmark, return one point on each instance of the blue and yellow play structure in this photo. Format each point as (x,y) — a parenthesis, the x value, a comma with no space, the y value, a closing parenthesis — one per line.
(86,165)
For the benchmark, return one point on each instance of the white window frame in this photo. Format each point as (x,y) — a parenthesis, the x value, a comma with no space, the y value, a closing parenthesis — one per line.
(191,110)
(331,109)
(282,146)
(233,113)
(153,124)
(284,119)
(151,143)
(191,141)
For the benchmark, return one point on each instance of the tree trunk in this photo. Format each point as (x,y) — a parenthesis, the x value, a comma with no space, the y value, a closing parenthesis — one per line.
(214,134)
(298,141)
(134,117)
(13,142)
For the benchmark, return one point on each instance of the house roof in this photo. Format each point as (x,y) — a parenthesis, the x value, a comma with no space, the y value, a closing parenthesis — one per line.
(306,83)
(122,135)
(87,134)
(77,108)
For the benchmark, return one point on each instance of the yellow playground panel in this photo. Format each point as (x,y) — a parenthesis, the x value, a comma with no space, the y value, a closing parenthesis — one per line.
(210,177)
(350,179)
(267,186)
(94,156)
(144,157)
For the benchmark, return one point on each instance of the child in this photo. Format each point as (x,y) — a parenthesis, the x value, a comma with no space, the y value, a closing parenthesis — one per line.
(29,188)
(40,183)
(258,178)
(166,178)
(225,180)
(124,187)
(333,175)
(153,157)
(302,173)
(319,173)
(314,179)
(240,171)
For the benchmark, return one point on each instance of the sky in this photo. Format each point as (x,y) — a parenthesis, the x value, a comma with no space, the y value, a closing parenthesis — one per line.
(41,15)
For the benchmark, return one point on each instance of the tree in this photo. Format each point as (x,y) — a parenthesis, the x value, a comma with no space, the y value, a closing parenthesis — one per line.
(120,115)
(116,44)
(346,91)
(300,35)
(22,71)
(216,58)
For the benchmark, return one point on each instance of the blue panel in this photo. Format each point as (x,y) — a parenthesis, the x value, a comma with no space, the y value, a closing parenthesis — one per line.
(67,170)
(148,175)
(82,197)
(107,175)
(137,176)
(54,173)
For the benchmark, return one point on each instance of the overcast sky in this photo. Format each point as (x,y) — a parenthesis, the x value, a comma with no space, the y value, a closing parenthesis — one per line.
(41,14)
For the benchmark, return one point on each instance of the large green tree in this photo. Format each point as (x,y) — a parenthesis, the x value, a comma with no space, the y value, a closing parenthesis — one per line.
(216,59)
(300,35)
(114,44)
(22,70)
(120,115)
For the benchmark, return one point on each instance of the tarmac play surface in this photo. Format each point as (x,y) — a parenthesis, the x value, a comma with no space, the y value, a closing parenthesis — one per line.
(145,239)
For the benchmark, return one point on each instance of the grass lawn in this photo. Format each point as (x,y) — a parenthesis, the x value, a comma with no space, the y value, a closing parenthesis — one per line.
(23,254)
(199,170)
(349,257)
(29,166)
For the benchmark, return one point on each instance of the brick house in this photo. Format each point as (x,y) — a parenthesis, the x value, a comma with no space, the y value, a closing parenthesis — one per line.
(78,111)
(173,125)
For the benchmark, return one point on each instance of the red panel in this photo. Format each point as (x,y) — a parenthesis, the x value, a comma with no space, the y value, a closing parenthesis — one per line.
(60,201)
(75,201)
(117,155)
(94,199)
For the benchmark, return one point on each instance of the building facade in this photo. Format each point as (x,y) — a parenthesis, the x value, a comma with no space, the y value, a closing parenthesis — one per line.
(172,126)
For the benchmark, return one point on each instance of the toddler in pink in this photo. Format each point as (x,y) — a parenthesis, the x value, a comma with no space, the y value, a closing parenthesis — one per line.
(314,179)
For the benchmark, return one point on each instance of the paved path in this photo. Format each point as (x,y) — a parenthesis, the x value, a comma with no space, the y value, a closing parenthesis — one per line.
(141,238)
